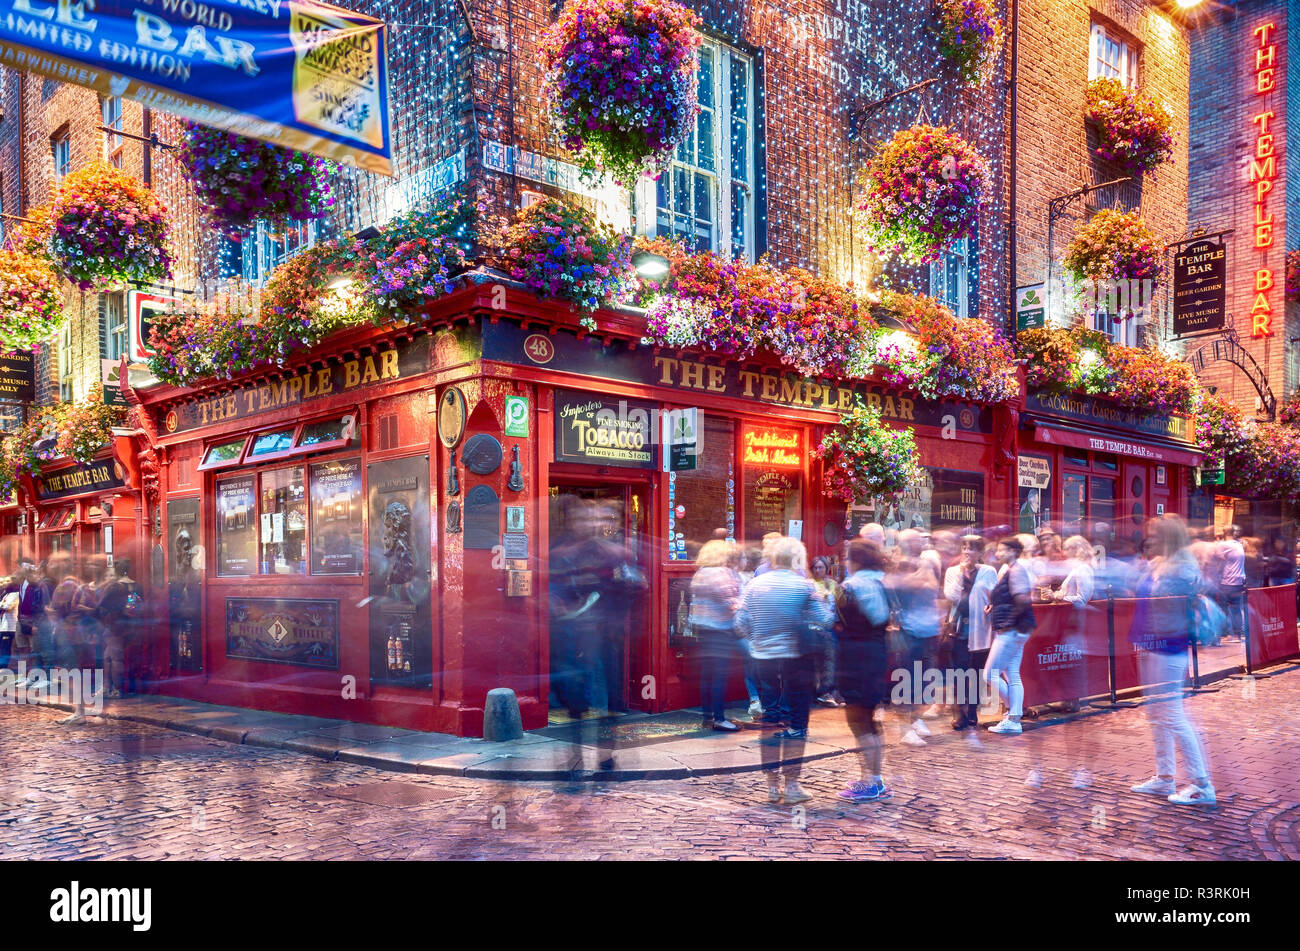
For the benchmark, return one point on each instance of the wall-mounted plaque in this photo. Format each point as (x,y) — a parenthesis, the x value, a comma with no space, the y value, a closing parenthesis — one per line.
(451,416)
(482,518)
(482,454)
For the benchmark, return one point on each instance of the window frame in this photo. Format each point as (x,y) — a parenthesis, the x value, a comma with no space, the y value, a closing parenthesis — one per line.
(723,174)
(115,353)
(258,472)
(939,267)
(62,139)
(296,448)
(1128,53)
(113,144)
(65,360)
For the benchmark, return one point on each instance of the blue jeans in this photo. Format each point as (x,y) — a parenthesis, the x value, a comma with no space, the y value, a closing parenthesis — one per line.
(715,664)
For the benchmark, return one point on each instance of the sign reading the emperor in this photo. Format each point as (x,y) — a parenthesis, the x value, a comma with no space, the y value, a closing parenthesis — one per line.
(303,75)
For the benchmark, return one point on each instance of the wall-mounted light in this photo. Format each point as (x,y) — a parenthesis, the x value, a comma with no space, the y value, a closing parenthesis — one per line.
(649,264)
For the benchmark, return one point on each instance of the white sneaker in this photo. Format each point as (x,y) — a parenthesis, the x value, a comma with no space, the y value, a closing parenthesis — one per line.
(1007,725)
(919,728)
(1082,778)
(933,713)
(911,739)
(879,715)
(756,710)
(794,793)
(773,793)
(1194,795)
(1156,787)
(973,740)
(1034,779)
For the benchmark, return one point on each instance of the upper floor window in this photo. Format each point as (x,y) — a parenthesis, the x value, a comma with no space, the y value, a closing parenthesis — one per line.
(954,278)
(115,324)
(65,361)
(707,195)
(1113,57)
(268,249)
(111,108)
(1120,327)
(61,148)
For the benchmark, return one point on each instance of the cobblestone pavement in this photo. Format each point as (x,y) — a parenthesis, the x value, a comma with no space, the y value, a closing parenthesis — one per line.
(124,790)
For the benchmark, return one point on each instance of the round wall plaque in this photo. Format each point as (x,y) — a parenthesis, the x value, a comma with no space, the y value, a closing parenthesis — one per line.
(482,454)
(451,417)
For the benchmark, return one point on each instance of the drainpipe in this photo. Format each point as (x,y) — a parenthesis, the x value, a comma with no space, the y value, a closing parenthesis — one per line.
(1012,165)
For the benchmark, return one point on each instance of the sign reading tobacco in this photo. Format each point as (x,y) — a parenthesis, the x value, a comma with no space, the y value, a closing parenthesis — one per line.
(397,364)
(1200,282)
(300,74)
(604,432)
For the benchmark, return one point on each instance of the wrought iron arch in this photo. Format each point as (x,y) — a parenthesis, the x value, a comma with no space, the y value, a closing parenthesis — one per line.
(1228,347)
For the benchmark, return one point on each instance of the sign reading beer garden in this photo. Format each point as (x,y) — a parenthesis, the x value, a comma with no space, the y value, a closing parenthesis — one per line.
(302,75)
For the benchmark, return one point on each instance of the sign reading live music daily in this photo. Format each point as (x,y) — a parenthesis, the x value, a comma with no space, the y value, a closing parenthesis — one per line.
(95,477)
(17,377)
(406,360)
(1200,287)
(301,74)
(509,343)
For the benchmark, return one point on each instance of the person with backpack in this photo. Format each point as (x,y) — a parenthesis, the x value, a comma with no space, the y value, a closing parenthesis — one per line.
(863,667)
(1160,632)
(778,612)
(1011,612)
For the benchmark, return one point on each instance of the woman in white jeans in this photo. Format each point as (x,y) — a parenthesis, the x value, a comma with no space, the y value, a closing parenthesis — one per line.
(1011,611)
(1160,634)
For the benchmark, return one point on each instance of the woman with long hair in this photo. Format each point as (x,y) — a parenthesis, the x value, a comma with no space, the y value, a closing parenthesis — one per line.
(1012,614)
(1161,632)
(715,595)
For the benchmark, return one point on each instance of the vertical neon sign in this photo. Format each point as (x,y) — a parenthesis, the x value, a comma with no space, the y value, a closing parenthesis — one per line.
(1262,174)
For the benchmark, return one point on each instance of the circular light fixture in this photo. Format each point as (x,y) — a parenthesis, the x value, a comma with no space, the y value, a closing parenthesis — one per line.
(1089,357)
(339,284)
(649,264)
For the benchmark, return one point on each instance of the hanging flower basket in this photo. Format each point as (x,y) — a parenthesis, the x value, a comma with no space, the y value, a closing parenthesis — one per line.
(1114,246)
(33,235)
(560,251)
(313,293)
(948,356)
(1267,464)
(108,229)
(864,457)
(702,307)
(84,427)
(416,257)
(621,79)
(31,300)
(1147,378)
(240,179)
(1293,275)
(970,35)
(1072,360)
(75,430)
(822,333)
(920,192)
(1134,130)
(1221,430)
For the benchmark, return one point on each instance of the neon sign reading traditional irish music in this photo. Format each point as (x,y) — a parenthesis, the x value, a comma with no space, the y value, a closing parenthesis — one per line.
(1263,172)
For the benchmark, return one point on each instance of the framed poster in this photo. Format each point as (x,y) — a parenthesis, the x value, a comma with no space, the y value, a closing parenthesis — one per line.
(236,527)
(337,517)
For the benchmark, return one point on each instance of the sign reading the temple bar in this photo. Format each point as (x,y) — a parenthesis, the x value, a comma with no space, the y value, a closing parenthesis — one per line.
(95,477)
(691,374)
(283,631)
(604,432)
(406,360)
(17,377)
(1200,287)
(302,75)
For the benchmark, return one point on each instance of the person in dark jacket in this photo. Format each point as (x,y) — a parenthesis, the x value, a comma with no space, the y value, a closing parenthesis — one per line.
(862,667)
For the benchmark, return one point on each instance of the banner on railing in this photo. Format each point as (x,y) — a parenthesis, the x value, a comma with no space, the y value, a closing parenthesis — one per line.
(1272,625)
(1067,656)
(304,75)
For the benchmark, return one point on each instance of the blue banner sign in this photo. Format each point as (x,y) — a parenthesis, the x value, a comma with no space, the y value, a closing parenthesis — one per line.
(302,75)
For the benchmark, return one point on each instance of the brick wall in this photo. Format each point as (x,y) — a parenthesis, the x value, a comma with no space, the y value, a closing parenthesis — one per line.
(1053,140)
(1224,99)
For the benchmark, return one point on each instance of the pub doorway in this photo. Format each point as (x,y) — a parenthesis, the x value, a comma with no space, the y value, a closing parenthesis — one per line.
(599,578)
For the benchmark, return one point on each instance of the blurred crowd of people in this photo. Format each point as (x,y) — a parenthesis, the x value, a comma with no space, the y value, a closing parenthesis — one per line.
(837,631)
(62,615)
